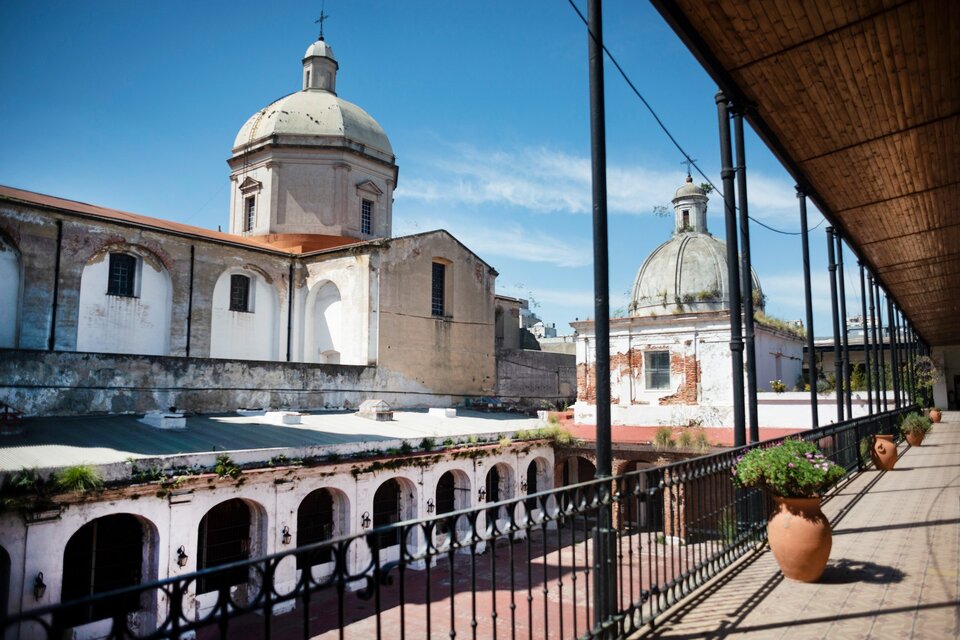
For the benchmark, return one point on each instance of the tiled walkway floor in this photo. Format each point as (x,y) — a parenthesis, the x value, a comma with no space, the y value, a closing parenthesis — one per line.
(893,570)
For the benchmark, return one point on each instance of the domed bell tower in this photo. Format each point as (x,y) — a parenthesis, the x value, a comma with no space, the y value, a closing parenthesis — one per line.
(690,209)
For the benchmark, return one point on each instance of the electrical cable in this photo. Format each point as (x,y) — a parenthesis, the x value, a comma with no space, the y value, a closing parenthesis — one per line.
(653,113)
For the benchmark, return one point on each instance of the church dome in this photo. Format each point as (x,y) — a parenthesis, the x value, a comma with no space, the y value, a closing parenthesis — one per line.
(687,273)
(316,117)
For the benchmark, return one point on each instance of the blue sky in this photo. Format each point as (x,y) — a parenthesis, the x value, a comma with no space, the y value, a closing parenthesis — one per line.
(134,105)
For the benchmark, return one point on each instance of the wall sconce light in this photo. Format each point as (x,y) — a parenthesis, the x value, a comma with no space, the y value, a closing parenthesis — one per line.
(285,536)
(365,520)
(523,486)
(39,587)
(182,557)
(430,506)
(482,494)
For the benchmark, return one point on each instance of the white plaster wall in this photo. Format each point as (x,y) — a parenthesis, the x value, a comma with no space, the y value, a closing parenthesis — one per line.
(245,335)
(345,325)
(119,324)
(769,345)
(11,289)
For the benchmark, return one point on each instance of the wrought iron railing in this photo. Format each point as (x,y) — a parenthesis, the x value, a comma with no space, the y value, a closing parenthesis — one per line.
(520,568)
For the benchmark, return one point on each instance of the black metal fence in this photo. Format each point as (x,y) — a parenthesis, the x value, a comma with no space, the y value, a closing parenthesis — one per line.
(520,568)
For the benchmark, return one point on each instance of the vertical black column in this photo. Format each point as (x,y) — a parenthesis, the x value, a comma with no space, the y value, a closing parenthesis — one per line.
(604,551)
(866,338)
(844,334)
(892,329)
(733,272)
(52,338)
(808,303)
(190,299)
(837,353)
(876,343)
(746,277)
(883,357)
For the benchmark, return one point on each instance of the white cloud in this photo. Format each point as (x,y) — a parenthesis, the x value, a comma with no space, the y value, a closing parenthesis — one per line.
(545,180)
(511,241)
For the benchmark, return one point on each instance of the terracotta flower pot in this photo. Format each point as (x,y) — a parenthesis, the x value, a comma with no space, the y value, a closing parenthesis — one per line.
(915,438)
(884,452)
(800,538)
(935,415)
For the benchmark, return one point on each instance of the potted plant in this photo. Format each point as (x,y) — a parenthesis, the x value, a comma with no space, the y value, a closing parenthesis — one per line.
(915,426)
(796,474)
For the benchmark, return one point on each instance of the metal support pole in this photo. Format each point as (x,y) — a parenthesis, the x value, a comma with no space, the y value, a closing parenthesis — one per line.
(912,346)
(746,277)
(733,272)
(837,352)
(808,301)
(866,338)
(883,358)
(895,375)
(844,334)
(604,551)
(876,343)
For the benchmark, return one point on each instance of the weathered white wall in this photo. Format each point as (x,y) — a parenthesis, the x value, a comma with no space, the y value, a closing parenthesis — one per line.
(252,335)
(120,324)
(779,357)
(11,287)
(274,496)
(338,311)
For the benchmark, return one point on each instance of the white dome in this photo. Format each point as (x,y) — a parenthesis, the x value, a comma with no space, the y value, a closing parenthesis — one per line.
(320,48)
(688,273)
(313,117)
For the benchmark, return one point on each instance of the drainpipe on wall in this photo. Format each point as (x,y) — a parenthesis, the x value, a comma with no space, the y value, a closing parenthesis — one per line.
(190,299)
(56,289)
(290,311)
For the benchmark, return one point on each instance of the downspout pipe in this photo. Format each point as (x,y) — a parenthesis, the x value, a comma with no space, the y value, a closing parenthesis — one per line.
(866,339)
(733,271)
(844,333)
(190,300)
(746,279)
(52,340)
(837,352)
(808,303)
(290,312)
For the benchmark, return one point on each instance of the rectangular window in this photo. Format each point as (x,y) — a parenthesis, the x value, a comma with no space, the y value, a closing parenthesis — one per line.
(439,284)
(123,273)
(249,213)
(239,293)
(366,216)
(656,366)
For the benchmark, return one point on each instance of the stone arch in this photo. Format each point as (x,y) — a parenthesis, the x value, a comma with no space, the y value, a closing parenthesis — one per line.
(395,500)
(230,531)
(323,514)
(135,320)
(499,485)
(323,340)
(250,334)
(111,552)
(453,493)
(11,292)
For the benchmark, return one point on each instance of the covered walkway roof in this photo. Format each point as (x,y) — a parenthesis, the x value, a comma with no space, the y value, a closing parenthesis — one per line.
(861,102)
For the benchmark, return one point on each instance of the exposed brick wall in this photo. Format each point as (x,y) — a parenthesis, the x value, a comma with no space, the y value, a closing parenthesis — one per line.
(689,368)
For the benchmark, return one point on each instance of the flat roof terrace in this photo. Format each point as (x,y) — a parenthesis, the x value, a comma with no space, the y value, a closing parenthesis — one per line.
(50,442)
(894,569)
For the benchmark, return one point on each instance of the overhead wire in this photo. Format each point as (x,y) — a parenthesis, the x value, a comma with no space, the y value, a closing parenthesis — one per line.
(664,128)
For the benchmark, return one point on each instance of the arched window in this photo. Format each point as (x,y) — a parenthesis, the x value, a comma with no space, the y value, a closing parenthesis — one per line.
(315,523)
(386,510)
(224,536)
(103,555)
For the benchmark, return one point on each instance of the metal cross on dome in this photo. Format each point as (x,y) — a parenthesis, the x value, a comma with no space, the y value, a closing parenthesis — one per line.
(689,162)
(323,18)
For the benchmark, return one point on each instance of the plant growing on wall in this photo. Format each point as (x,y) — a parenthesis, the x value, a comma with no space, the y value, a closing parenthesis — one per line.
(79,478)
(663,438)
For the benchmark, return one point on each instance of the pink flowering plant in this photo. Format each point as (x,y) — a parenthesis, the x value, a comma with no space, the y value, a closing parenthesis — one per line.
(793,469)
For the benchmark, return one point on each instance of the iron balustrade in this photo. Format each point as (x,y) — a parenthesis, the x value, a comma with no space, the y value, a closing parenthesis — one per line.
(522,567)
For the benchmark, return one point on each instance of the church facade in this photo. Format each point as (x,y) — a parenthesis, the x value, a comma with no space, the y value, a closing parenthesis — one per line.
(108,311)
(670,356)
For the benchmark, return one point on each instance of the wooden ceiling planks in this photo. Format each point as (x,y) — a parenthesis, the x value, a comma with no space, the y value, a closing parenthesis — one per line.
(861,101)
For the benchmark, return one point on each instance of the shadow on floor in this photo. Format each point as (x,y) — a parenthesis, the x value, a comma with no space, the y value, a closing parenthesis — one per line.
(848,571)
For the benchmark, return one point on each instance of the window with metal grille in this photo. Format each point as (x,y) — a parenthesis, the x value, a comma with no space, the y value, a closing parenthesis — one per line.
(366,216)
(656,365)
(122,278)
(386,511)
(439,284)
(249,213)
(315,524)
(239,293)
(223,537)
